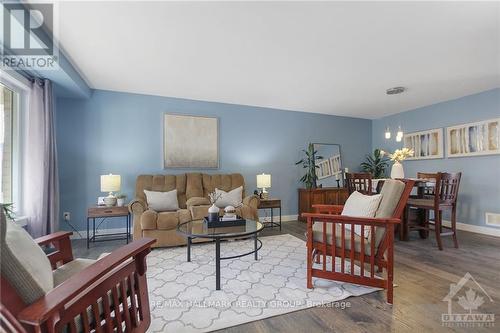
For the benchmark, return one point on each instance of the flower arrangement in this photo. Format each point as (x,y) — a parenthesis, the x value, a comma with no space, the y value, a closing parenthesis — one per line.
(400,155)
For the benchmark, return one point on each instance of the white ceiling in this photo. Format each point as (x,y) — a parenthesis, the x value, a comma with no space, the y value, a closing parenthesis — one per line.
(324,57)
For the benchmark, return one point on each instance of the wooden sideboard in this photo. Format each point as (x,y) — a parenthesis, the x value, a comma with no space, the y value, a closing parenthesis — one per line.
(322,196)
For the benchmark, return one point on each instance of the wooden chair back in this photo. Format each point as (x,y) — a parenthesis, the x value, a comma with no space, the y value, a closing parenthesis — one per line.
(428,190)
(447,185)
(360,181)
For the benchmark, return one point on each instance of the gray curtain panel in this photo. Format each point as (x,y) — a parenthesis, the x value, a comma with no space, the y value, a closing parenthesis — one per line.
(40,180)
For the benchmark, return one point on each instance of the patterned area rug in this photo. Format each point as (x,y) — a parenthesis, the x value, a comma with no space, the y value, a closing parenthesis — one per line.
(183,296)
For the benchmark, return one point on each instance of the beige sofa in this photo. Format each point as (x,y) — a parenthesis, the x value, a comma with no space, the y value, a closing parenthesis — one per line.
(192,194)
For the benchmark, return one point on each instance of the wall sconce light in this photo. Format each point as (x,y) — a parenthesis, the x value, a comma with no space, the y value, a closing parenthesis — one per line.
(387,133)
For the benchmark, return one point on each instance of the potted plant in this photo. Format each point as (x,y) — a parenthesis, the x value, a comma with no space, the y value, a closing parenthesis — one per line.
(120,200)
(399,156)
(309,163)
(376,164)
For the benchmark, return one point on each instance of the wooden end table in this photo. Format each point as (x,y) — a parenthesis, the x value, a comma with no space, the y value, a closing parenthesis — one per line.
(271,204)
(107,212)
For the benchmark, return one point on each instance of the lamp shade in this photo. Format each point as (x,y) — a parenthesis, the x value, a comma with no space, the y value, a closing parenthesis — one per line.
(110,183)
(264,181)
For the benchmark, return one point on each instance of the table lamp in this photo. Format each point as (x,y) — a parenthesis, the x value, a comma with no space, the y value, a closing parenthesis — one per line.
(110,183)
(263,182)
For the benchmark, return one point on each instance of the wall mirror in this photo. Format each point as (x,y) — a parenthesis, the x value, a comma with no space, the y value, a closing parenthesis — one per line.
(330,167)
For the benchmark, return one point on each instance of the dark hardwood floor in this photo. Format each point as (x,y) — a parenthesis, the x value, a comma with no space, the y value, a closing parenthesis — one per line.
(423,275)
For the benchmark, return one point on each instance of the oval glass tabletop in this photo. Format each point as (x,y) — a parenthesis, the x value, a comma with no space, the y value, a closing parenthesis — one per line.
(199,228)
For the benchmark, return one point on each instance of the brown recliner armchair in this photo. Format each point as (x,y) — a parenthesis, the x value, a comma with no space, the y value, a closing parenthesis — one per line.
(192,195)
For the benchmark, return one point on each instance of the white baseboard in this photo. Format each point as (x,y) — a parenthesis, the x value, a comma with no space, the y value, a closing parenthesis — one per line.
(478,229)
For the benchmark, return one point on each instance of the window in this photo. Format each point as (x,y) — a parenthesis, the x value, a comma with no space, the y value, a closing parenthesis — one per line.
(9,159)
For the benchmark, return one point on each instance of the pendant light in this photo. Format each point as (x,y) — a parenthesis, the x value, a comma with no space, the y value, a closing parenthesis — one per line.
(387,133)
(399,134)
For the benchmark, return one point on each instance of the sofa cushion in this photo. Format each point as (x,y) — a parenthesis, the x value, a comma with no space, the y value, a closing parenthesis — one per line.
(162,201)
(232,198)
(199,212)
(162,183)
(360,205)
(167,220)
(148,220)
(226,182)
(23,262)
(73,267)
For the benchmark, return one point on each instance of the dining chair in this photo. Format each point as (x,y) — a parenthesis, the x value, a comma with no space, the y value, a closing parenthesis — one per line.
(360,181)
(444,198)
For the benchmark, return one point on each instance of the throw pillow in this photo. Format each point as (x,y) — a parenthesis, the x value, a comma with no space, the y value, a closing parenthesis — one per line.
(162,201)
(360,205)
(232,198)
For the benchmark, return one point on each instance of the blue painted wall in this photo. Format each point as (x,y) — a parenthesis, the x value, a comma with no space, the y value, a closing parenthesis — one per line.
(122,133)
(480,186)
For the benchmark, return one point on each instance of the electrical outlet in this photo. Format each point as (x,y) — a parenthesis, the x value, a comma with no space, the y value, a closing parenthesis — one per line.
(67,216)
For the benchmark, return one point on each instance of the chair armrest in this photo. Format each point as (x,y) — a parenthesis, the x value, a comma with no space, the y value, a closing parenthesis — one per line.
(137,206)
(329,218)
(252,201)
(62,243)
(328,209)
(57,236)
(197,201)
(40,311)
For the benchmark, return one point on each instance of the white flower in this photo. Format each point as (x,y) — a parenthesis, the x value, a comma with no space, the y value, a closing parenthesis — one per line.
(400,155)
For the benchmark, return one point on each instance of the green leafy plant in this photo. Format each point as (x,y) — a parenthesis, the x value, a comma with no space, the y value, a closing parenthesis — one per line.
(309,163)
(121,196)
(376,164)
(8,210)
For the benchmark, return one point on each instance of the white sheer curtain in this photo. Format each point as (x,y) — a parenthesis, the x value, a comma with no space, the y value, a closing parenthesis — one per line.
(40,181)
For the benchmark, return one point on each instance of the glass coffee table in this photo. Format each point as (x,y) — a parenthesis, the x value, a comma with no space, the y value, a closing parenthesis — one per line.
(199,229)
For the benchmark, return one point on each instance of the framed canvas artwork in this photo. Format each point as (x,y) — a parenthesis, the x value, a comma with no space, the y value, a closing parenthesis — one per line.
(474,139)
(426,144)
(190,141)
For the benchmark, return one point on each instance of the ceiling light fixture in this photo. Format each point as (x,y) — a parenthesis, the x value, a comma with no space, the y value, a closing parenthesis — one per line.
(399,134)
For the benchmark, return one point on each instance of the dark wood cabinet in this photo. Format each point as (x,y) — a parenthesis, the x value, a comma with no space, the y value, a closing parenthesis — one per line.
(321,196)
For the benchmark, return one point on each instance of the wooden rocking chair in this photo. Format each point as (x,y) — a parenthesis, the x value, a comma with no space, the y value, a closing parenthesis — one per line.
(327,235)
(56,293)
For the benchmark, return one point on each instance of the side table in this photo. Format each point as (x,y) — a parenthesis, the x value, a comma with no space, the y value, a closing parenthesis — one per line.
(271,204)
(106,212)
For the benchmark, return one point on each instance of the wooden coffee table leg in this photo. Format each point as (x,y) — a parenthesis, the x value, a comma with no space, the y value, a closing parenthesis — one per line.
(189,249)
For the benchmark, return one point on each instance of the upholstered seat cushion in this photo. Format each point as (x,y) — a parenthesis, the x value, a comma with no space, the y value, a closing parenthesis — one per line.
(318,237)
(151,220)
(73,267)
(23,262)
